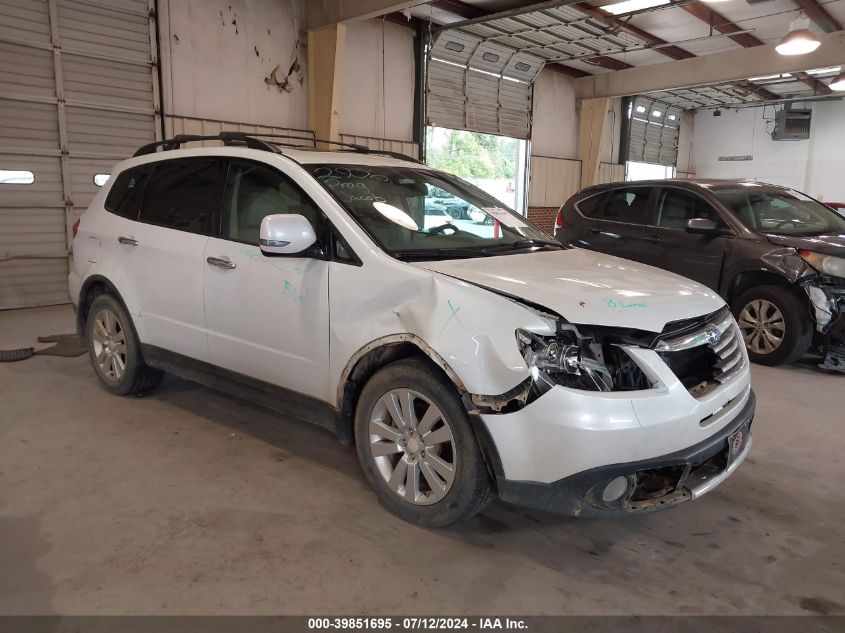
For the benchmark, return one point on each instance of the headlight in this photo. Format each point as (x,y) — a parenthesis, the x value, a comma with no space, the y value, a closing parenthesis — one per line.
(827,264)
(571,360)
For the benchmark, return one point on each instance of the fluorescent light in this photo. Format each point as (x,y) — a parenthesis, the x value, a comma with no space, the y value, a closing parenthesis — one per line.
(824,71)
(657,113)
(799,40)
(672,117)
(629,6)
(640,108)
(838,82)
(780,76)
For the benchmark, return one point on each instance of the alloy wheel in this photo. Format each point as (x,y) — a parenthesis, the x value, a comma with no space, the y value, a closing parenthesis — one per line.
(412,446)
(109,345)
(762,325)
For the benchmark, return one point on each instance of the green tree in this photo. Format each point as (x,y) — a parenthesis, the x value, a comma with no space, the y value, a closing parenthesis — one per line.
(474,155)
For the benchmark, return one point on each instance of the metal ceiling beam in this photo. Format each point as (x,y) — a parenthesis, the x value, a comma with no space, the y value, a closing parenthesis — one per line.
(328,12)
(719,22)
(665,48)
(530,7)
(727,66)
(818,86)
(818,14)
(473,14)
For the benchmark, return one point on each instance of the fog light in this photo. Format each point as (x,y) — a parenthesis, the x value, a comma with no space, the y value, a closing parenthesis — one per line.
(615,489)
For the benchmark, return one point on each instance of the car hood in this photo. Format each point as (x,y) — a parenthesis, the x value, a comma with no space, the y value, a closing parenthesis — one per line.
(830,244)
(587,287)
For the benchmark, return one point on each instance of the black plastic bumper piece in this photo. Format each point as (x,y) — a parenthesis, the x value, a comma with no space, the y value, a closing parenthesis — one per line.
(574,495)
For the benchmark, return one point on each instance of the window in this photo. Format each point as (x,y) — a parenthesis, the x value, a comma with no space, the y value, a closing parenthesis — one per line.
(254,191)
(677,207)
(589,206)
(414,212)
(16,177)
(776,210)
(183,195)
(124,197)
(626,205)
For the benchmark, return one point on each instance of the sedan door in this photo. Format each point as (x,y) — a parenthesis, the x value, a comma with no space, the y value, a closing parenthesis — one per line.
(267,316)
(614,222)
(670,246)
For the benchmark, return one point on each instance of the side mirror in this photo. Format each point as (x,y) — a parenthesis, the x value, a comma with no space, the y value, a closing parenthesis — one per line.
(702,226)
(285,234)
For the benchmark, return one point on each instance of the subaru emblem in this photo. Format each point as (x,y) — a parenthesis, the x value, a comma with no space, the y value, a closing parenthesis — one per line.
(712,335)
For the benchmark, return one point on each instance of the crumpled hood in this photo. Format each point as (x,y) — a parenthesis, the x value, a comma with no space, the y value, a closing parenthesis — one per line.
(831,244)
(588,287)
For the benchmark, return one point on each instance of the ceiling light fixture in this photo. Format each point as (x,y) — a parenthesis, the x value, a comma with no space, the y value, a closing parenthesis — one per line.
(629,6)
(838,82)
(799,40)
(824,71)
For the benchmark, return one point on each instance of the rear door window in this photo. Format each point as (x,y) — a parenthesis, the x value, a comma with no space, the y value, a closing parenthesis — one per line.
(124,197)
(185,195)
(590,205)
(627,204)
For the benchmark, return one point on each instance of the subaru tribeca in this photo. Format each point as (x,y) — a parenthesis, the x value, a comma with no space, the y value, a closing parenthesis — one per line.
(464,360)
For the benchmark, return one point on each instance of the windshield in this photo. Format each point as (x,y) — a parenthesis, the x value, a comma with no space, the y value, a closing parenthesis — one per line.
(781,211)
(417,213)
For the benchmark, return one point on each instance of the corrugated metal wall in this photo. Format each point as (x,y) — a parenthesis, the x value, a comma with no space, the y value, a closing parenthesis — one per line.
(78,92)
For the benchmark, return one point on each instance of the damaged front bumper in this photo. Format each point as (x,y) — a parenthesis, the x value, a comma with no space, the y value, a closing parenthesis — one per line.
(827,299)
(646,485)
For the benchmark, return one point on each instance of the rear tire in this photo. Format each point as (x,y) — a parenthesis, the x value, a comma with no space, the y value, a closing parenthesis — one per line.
(424,466)
(775,325)
(114,350)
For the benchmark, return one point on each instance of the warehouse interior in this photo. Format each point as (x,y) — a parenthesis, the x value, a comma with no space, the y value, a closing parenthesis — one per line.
(188,501)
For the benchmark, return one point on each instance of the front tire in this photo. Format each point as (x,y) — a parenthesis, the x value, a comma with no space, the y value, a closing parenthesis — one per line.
(775,325)
(114,350)
(417,448)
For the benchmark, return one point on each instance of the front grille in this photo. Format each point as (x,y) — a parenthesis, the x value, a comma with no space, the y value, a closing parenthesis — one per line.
(704,354)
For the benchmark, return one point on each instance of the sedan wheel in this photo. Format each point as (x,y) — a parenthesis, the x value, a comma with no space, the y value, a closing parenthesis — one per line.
(762,326)
(412,446)
(109,345)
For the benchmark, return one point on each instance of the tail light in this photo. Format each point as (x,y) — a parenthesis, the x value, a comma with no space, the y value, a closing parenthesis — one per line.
(75,228)
(559,221)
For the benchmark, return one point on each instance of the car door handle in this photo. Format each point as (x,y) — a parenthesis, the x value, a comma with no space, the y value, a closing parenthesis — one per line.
(222,262)
(129,241)
(652,238)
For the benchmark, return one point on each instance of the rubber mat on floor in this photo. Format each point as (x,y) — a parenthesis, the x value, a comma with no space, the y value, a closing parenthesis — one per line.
(65,345)
(12,355)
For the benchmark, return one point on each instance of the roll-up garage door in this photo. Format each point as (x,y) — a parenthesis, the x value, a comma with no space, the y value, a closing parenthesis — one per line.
(654,132)
(479,86)
(77,94)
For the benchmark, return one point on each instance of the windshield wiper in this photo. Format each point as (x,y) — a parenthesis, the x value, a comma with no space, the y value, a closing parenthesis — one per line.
(439,253)
(529,243)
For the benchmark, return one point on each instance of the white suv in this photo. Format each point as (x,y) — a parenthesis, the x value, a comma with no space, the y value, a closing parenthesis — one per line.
(464,359)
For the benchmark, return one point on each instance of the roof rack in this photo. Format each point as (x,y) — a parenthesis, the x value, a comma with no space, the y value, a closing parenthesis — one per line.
(252,142)
(228,138)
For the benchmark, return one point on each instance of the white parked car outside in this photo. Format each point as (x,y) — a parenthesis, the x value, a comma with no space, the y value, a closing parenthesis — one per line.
(462,365)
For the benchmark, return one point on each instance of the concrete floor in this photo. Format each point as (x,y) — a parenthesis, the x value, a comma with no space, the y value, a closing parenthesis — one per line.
(191,502)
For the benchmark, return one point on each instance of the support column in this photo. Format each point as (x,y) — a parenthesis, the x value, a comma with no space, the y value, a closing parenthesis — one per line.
(590,128)
(325,50)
